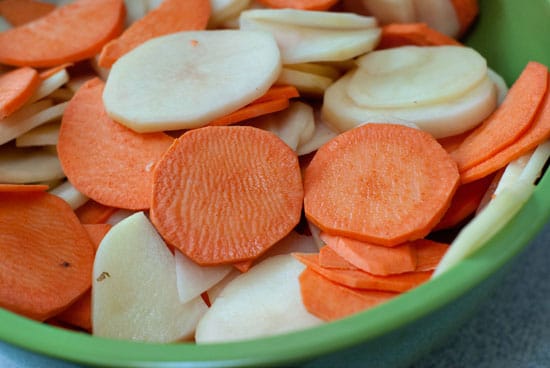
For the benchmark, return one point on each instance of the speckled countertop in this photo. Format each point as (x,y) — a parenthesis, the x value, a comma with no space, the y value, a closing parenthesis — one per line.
(510,330)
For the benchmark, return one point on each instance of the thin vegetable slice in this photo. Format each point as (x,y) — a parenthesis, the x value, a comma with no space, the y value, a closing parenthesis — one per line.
(241,182)
(300,4)
(53,39)
(28,165)
(16,87)
(92,212)
(509,121)
(104,160)
(465,202)
(372,258)
(134,292)
(170,17)
(417,34)
(47,255)
(380,183)
(331,301)
(209,73)
(358,279)
(263,302)
(252,111)
(538,132)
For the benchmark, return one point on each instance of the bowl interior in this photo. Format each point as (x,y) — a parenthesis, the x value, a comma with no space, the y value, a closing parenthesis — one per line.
(509,33)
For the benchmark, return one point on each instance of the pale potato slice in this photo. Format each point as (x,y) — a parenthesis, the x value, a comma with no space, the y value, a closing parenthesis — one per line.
(386,11)
(49,85)
(308,84)
(413,76)
(527,168)
(304,44)
(440,120)
(223,10)
(102,72)
(193,279)
(69,194)
(43,135)
(29,117)
(310,18)
(328,71)
(534,167)
(28,165)
(215,290)
(292,125)
(321,135)
(153,4)
(264,301)
(439,15)
(500,83)
(134,291)
(494,216)
(135,9)
(208,73)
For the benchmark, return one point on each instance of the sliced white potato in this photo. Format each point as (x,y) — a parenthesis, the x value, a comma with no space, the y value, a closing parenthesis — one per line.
(134,291)
(328,71)
(500,83)
(310,18)
(321,135)
(413,76)
(193,279)
(304,44)
(69,194)
(43,135)
(292,125)
(215,290)
(526,168)
(135,9)
(22,121)
(153,4)
(309,84)
(386,11)
(487,223)
(208,73)
(223,10)
(439,15)
(261,302)
(49,85)
(441,120)
(28,165)
(102,72)
(533,169)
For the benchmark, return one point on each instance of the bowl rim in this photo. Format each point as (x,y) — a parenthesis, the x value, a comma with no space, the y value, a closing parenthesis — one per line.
(305,344)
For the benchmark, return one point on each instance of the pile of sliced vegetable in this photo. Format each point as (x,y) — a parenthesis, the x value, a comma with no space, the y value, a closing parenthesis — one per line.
(194,170)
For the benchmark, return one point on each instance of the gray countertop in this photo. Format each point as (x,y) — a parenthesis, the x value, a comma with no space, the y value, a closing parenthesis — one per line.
(510,330)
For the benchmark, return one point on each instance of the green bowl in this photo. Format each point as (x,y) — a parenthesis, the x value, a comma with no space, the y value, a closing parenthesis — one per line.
(509,33)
